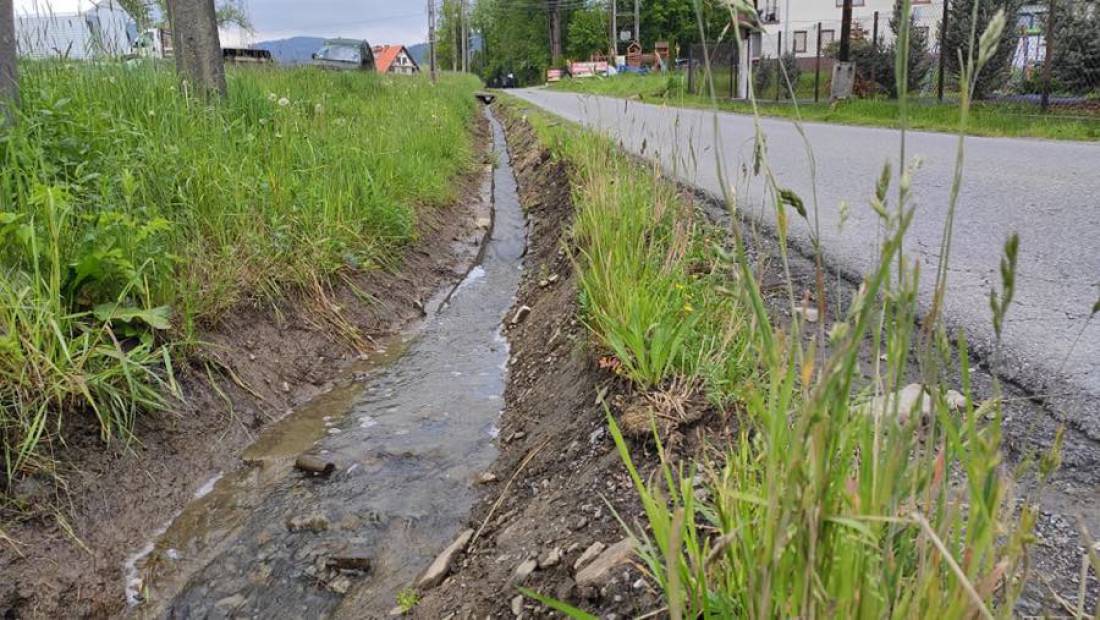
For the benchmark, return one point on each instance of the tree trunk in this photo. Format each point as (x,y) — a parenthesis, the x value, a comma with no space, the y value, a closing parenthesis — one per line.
(198,49)
(9,82)
(555,32)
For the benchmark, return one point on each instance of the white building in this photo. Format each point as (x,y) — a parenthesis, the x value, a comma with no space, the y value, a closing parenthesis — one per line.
(95,29)
(793,25)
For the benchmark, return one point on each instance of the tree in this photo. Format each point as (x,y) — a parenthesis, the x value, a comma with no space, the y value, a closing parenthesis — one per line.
(197,48)
(587,33)
(919,61)
(956,41)
(9,81)
(1076,60)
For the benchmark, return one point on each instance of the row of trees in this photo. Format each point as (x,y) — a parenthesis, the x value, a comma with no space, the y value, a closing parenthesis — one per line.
(525,37)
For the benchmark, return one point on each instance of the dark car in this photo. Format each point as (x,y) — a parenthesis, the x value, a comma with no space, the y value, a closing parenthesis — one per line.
(345,54)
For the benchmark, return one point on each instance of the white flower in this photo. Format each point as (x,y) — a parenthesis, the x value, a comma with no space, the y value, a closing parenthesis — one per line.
(272,96)
(318,109)
(284,102)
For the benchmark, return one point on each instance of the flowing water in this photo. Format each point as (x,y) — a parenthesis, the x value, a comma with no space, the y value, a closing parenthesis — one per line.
(408,434)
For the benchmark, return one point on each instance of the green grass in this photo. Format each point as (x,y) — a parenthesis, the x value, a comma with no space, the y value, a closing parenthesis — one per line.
(987,119)
(651,283)
(833,499)
(132,218)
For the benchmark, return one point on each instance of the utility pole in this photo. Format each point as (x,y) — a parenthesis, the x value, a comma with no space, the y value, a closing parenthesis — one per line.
(943,51)
(638,21)
(555,32)
(1048,38)
(845,32)
(844,73)
(9,81)
(431,38)
(197,48)
(614,49)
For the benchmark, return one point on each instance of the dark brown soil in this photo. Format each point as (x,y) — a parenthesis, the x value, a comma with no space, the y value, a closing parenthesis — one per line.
(559,476)
(258,363)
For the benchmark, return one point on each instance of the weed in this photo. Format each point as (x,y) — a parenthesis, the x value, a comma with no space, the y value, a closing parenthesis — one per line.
(407,599)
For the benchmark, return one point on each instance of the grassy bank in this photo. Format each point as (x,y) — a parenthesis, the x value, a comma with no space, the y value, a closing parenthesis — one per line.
(838,496)
(132,217)
(988,119)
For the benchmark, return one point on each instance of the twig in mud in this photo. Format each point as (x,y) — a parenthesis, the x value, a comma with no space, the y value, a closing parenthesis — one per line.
(504,492)
(12,542)
(233,376)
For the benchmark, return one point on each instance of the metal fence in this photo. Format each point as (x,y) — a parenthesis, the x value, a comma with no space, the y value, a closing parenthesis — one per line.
(1054,60)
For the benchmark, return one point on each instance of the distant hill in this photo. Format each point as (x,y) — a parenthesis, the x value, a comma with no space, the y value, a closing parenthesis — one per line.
(419,52)
(292,51)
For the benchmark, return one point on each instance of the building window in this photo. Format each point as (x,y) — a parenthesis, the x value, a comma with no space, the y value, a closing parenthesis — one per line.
(800,41)
(827,38)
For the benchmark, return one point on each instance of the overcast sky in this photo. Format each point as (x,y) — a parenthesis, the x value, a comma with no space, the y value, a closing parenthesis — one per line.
(378,21)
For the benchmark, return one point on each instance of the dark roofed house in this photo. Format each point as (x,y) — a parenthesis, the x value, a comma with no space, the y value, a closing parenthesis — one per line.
(344,54)
(394,59)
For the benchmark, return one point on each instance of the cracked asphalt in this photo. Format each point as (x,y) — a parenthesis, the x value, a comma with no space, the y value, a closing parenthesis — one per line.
(1047,191)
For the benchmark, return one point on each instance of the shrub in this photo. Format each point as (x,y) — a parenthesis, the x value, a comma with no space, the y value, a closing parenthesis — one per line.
(957,41)
(1076,60)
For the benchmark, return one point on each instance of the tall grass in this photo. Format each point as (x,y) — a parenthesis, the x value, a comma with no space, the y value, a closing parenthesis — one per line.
(651,282)
(838,498)
(131,217)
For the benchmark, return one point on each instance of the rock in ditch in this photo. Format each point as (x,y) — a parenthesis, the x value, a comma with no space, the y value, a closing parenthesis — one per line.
(523,571)
(521,315)
(589,554)
(550,559)
(517,605)
(313,522)
(597,570)
(441,566)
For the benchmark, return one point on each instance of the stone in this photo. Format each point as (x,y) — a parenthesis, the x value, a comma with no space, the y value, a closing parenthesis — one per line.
(524,570)
(521,315)
(483,223)
(340,585)
(517,605)
(589,554)
(544,283)
(442,563)
(487,478)
(312,522)
(598,569)
(955,400)
(907,399)
(550,559)
(809,314)
(553,278)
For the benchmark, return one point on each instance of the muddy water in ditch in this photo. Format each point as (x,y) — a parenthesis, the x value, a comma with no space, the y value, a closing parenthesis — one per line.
(408,437)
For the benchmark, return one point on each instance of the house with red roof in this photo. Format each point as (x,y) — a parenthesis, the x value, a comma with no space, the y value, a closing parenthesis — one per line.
(394,59)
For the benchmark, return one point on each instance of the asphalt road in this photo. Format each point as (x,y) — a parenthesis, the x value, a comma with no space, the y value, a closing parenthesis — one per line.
(1047,191)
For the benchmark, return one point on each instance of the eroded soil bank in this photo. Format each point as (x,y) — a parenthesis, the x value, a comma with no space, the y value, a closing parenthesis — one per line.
(69,545)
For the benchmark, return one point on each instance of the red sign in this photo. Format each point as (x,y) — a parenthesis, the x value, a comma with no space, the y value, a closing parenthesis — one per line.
(588,69)
(553,75)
